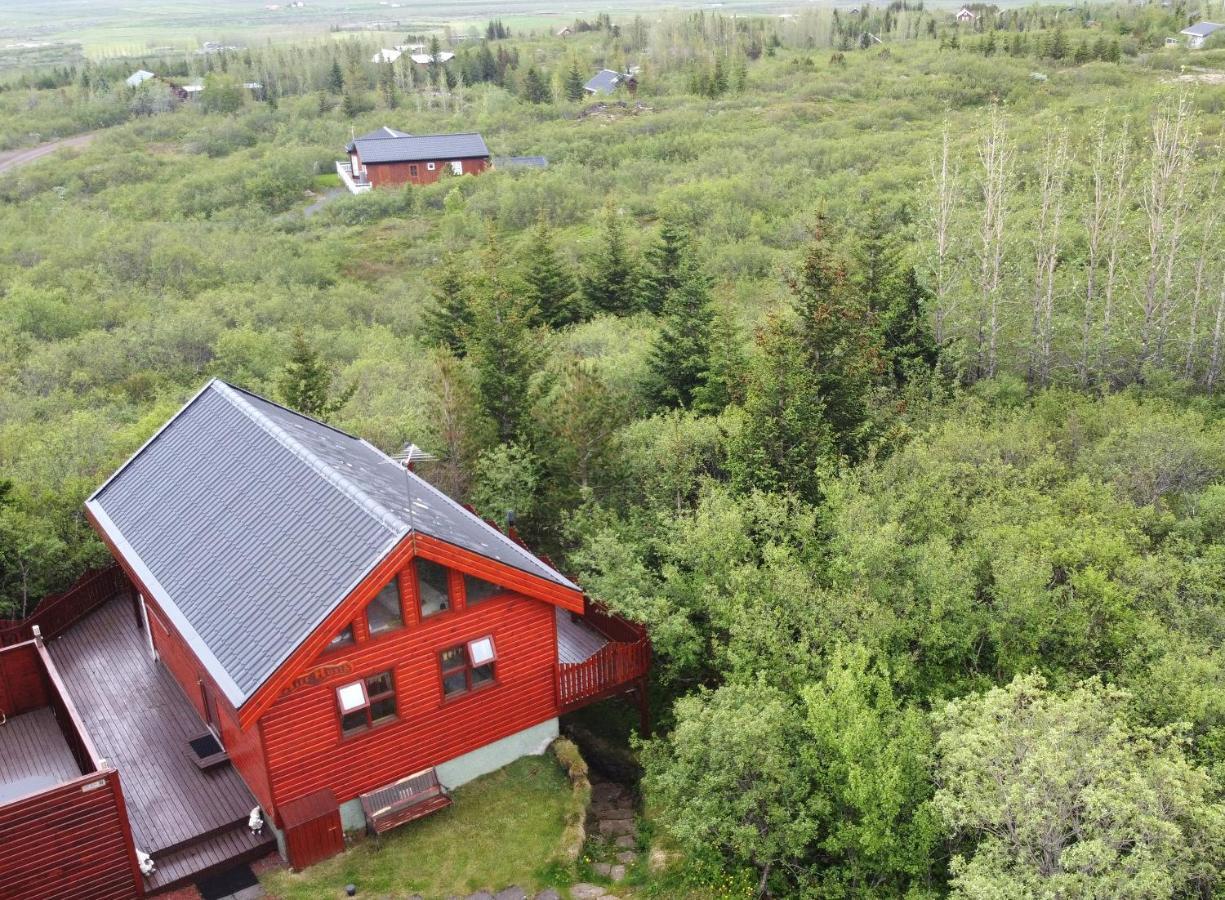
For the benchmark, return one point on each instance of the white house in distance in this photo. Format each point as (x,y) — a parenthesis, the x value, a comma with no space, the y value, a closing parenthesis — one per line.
(139,77)
(966,15)
(387,55)
(1200,32)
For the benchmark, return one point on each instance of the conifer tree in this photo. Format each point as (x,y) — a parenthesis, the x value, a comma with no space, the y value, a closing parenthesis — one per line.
(550,286)
(336,78)
(435,64)
(662,266)
(611,283)
(784,443)
(574,82)
(680,360)
(535,88)
(906,337)
(448,319)
(718,79)
(306,383)
(501,345)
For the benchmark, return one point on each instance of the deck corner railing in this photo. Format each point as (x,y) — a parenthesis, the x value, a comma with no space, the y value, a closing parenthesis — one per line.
(58,612)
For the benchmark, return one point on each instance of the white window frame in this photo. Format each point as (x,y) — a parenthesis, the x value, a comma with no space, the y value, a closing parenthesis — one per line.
(345,705)
(486,660)
(429,167)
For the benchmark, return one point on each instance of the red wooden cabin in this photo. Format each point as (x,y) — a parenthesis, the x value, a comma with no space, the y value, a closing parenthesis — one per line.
(390,158)
(337,624)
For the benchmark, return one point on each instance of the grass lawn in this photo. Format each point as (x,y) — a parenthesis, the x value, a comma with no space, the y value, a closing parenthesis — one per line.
(502,829)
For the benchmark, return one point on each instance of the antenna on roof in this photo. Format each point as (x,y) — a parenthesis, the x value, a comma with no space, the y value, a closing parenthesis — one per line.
(411,454)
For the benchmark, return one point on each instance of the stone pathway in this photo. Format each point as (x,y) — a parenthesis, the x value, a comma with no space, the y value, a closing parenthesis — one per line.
(612,837)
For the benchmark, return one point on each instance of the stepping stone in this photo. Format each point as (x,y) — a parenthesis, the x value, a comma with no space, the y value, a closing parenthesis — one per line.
(480,895)
(614,812)
(606,792)
(616,827)
(627,842)
(604,869)
(627,857)
(514,892)
(547,894)
(617,873)
(584,891)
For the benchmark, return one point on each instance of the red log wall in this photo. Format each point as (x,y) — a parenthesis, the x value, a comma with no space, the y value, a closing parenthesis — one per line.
(23,682)
(306,751)
(398,174)
(69,841)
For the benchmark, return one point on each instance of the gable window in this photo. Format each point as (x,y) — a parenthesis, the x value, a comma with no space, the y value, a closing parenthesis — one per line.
(364,704)
(467,667)
(344,639)
(430,167)
(478,590)
(432,587)
(384,613)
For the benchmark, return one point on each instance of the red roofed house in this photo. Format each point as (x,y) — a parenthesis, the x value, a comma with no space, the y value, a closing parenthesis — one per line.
(313,630)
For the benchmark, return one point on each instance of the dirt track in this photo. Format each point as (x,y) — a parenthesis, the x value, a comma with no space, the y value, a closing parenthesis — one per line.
(13,159)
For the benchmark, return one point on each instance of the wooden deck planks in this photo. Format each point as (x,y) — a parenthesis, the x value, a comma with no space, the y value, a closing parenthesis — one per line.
(141,722)
(217,852)
(32,748)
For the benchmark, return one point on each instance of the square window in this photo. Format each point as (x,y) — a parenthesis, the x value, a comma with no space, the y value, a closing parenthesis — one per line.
(383,614)
(352,697)
(455,683)
(429,166)
(480,651)
(433,587)
(482,675)
(460,670)
(366,703)
(477,590)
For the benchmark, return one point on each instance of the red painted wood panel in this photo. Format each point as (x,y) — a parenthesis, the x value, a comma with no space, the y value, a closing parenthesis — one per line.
(307,752)
(23,682)
(400,173)
(70,841)
(244,746)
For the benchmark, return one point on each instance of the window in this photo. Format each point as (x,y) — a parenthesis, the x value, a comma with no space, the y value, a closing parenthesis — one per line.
(384,613)
(412,170)
(432,587)
(364,704)
(344,639)
(477,590)
(468,666)
(429,167)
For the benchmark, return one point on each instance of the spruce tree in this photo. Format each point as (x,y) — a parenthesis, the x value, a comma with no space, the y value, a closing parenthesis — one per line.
(574,82)
(680,360)
(662,266)
(905,335)
(306,382)
(835,330)
(501,345)
(784,444)
(448,319)
(336,78)
(535,88)
(611,283)
(550,286)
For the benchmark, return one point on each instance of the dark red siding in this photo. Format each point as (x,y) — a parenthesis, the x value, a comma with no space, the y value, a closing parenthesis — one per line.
(23,682)
(312,829)
(401,173)
(306,751)
(69,841)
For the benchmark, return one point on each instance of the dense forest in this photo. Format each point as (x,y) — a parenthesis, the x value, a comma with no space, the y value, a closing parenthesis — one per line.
(871,360)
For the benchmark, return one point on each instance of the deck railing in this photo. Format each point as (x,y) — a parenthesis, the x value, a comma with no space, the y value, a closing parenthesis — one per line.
(620,664)
(57,612)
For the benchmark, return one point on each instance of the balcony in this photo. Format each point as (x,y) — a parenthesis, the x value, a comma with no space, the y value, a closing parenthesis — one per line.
(357,184)
(600,655)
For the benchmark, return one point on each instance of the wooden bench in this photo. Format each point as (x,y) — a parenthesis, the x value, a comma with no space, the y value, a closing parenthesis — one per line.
(404,801)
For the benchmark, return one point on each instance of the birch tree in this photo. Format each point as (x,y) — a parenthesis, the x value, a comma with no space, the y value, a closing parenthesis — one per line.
(1206,249)
(1052,179)
(995,157)
(1109,181)
(943,200)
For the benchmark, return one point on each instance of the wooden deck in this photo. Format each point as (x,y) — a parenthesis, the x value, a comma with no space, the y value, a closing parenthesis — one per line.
(34,754)
(576,642)
(187,819)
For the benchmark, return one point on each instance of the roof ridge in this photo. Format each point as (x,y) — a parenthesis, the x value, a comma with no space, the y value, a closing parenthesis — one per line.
(521,551)
(372,507)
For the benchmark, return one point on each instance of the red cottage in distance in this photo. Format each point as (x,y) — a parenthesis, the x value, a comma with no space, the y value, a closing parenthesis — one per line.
(390,158)
(316,641)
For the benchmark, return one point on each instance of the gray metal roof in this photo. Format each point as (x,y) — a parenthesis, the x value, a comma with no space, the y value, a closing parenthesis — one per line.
(604,81)
(380,134)
(423,146)
(520,162)
(1202,29)
(250,523)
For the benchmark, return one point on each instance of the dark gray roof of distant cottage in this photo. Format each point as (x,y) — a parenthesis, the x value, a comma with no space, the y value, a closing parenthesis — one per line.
(419,147)
(604,81)
(520,162)
(250,523)
(1202,29)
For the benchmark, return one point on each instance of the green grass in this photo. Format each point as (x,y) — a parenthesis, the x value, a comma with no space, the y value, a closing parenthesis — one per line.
(326,181)
(503,829)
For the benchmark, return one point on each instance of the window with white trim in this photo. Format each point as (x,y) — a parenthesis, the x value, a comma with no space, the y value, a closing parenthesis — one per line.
(433,587)
(467,667)
(364,704)
(430,167)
